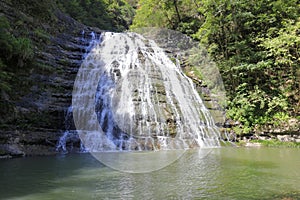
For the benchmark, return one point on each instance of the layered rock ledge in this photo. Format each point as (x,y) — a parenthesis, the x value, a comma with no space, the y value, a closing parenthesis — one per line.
(33,119)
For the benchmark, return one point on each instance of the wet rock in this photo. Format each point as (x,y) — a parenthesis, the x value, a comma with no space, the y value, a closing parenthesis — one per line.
(27,143)
(11,150)
(286,138)
(252,144)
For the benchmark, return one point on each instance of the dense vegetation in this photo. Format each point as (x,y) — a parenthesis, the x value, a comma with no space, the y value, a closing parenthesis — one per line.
(256,45)
(16,55)
(114,15)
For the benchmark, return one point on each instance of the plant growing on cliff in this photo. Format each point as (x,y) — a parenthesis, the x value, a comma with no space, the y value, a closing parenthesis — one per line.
(16,53)
(115,15)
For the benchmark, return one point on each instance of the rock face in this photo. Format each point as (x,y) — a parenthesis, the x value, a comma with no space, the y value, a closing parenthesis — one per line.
(143,100)
(32,121)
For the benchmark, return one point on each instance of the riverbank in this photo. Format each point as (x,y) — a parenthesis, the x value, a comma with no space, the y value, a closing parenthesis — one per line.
(269,140)
(249,140)
(268,143)
(282,135)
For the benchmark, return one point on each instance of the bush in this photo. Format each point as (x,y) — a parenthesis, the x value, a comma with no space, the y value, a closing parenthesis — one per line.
(16,54)
(277,143)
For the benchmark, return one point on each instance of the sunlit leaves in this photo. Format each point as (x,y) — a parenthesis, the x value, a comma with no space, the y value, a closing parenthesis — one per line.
(150,13)
(181,15)
(285,48)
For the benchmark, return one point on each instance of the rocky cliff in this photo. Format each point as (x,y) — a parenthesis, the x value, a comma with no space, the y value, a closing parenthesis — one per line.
(32,114)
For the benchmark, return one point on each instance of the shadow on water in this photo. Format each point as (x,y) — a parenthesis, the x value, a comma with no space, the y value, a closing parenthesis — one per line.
(80,176)
(24,176)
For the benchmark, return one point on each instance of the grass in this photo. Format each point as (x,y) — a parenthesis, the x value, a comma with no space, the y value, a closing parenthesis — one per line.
(277,143)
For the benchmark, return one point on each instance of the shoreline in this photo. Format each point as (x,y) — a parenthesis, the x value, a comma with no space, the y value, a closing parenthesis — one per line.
(249,143)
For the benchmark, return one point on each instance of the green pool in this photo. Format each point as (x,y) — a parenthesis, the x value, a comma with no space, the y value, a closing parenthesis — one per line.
(223,173)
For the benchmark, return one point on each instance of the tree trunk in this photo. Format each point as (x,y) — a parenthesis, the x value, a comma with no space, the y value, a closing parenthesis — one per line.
(177,11)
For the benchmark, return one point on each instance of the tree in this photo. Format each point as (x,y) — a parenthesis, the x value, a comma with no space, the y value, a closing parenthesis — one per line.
(254,43)
(181,15)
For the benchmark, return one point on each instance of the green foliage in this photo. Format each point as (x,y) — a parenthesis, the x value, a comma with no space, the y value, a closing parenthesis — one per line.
(115,15)
(256,107)
(42,9)
(150,14)
(16,54)
(285,46)
(23,51)
(42,35)
(277,143)
(177,15)
(255,45)
(283,50)
(121,13)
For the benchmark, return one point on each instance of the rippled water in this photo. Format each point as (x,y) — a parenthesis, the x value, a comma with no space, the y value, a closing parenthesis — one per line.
(224,173)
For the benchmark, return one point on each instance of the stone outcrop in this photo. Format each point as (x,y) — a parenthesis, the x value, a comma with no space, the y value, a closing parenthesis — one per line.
(33,120)
(288,131)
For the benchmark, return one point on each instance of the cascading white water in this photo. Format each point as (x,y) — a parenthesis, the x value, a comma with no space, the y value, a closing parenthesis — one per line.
(62,141)
(129,95)
(69,136)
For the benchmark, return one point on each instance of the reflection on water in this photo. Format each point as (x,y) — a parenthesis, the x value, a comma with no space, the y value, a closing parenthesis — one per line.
(225,173)
(138,161)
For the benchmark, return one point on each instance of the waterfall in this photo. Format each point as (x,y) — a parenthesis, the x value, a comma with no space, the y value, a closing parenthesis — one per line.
(69,140)
(129,95)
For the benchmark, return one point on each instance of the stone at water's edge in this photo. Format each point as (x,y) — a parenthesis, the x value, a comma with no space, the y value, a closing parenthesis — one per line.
(249,144)
(32,121)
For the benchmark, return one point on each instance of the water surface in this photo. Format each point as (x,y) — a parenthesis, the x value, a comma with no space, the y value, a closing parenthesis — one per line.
(223,173)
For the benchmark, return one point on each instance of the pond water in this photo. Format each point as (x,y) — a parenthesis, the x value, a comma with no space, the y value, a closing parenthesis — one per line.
(220,173)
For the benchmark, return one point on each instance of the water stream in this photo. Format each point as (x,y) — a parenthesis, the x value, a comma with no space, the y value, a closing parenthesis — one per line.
(129,95)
